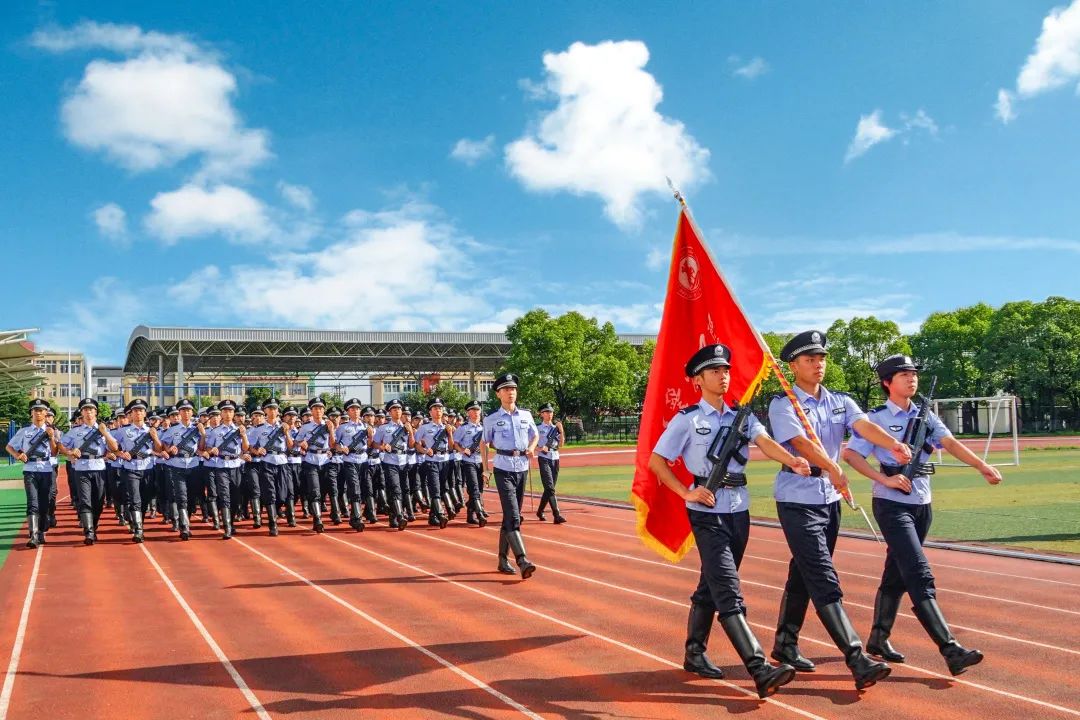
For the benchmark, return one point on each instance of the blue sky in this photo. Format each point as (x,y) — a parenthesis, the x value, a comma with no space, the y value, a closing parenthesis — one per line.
(402,166)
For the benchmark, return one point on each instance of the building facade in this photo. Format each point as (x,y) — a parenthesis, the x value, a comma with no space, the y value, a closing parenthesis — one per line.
(65,377)
(208,388)
(107,385)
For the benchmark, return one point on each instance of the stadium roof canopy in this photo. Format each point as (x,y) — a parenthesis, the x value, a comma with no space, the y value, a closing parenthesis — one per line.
(271,351)
(18,376)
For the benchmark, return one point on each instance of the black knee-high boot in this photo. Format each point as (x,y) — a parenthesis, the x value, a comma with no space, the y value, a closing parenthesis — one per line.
(766,677)
(958,658)
(864,669)
(885,608)
(698,626)
(786,645)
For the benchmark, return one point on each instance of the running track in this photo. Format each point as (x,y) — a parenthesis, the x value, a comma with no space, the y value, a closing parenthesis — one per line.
(418,624)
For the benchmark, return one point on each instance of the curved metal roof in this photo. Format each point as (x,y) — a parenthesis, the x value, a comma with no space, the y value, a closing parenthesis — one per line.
(264,350)
(17,372)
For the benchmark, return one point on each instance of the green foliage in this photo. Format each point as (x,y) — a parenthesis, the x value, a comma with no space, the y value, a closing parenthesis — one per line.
(948,344)
(104,412)
(330,400)
(576,363)
(452,397)
(856,347)
(255,397)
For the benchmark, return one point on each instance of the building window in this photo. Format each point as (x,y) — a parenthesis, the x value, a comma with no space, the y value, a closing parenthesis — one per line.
(391,386)
(102,382)
(140,389)
(486,385)
(46,366)
(410,386)
(461,385)
(297,390)
(70,366)
(70,390)
(233,389)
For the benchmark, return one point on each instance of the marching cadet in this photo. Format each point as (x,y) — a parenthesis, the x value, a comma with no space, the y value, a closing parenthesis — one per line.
(270,444)
(368,489)
(552,437)
(86,444)
(316,438)
(410,490)
(378,483)
(511,432)
(433,441)
(289,422)
(809,507)
(418,478)
(137,441)
(210,511)
(180,442)
(393,439)
(33,445)
(168,505)
(225,446)
(73,484)
(467,438)
(902,510)
(333,471)
(253,467)
(241,496)
(113,471)
(720,519)
(352,442)
(54,468)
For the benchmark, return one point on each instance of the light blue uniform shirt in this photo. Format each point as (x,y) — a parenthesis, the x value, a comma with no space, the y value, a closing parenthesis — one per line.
(74,439)
(316,453)
(255,432)
(216,438)
(894,421)
(174,436)
(831,416)
(510,431)
(465,436)
(384,434)
(689,435)
(347,434)
(275,450)
(544,429)
(24,437)
(425,435)
(127,438)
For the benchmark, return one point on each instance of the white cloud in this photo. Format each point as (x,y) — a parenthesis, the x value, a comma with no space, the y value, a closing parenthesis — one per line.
(298,196)
(931,243)
(193,211)
(657,259)
(167,101)
(869,132)
(98,322)
(751,70)
(919,121)
(1004,107)
(471,152)
(111,221)
(605,136)
(1053,63)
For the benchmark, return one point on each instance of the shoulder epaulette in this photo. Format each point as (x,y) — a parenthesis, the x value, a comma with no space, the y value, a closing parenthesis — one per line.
(688,409)
(778,396)
(878,408)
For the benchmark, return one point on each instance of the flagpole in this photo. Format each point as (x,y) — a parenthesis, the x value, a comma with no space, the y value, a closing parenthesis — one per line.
(774,366)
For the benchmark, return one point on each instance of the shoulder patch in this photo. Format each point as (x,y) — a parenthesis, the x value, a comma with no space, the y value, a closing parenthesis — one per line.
(879,408)
(688,409)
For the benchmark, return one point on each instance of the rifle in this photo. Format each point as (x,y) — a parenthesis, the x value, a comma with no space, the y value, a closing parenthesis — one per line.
(227,440)
(317,434)
(727,446)
(355,444)
(438,443)
(915,436)
(90,439)
(553,439)
(397,441)
(475,444)
(35,444)
(270,441)
(139,445)
(184,440)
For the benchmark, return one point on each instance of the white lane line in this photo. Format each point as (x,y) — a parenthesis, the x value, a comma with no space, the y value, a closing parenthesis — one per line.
(20,636)
(683,604)
(578,526)
(206,636)
(472,679)
(852,603)
(563,623)
(632,519)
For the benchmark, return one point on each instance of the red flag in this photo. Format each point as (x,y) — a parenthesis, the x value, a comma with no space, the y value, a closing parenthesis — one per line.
(699,310)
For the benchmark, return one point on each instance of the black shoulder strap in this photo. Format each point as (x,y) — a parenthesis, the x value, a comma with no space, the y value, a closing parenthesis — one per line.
(688,409)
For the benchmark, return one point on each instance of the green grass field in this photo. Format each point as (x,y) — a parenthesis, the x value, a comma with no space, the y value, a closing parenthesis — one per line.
(1037,506)
(12,516)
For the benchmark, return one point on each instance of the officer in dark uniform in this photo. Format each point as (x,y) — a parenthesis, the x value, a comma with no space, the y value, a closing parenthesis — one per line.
(85,446)
(137,442)
(466,441)
(511,432)
(33,445)
(316,440)
(393,439)
(352,443)
(720,520)
(293,458)
(367,481)
(181,443)
(809,507)
(552,437)
(902,509)
(226,445)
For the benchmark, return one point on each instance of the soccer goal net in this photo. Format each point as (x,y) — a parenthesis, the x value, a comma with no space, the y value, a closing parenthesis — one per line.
(987,425)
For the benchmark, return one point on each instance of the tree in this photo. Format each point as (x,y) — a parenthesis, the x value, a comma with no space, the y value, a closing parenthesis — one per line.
(576,362)
(857,346)
(452,397)
(834,375)
(104,412)
(948,344)
(255,397)
(330,399)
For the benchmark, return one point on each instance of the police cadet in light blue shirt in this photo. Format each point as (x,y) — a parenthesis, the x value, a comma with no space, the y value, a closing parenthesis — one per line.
(329,480)
(393,439)
(86,446)
(902,509)
(352,442)
(467,439)
(433,442)
(316,438)
(551,439)
(720,519)
(181,443)
(226,445)
(512,433)
(809,507)
(137,442)
(33,445)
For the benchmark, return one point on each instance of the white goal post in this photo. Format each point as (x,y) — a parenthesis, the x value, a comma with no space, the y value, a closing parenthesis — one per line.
(990,424)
